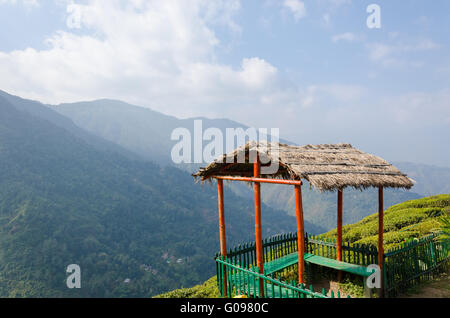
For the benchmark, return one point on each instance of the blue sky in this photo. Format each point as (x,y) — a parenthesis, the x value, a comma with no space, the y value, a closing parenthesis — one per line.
(311,68)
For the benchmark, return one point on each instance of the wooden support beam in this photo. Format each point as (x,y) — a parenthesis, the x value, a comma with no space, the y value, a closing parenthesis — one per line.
(380,237)
(300,234)
(260,180)
(339,226)
(258,233)
(339,230)
(223,239)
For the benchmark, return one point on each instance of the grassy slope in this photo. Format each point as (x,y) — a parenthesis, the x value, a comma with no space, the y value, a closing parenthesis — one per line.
(207,290)
(411,219)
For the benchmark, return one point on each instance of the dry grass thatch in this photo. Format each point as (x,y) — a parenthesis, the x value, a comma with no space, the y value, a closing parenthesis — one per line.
(326,167)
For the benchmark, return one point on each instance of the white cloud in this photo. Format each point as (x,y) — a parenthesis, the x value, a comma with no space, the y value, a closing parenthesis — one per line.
(379,51)
(319,96)
(154,53)
(418,108)
(27,3)
(338,3)
(347,37)
(331,7)
(394,54)
(161,54)
(256,72)
(424,44)
(297,8)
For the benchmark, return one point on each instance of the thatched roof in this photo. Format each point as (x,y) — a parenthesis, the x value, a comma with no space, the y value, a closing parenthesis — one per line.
(326,167)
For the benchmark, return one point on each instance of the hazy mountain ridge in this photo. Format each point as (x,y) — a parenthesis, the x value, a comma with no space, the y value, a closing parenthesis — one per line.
(43,112)
(430,180)
(138,129)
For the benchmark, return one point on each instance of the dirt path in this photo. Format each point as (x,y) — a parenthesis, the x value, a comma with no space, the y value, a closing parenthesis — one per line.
(438,288)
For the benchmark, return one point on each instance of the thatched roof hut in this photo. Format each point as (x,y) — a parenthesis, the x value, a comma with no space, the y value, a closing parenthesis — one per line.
(326,167)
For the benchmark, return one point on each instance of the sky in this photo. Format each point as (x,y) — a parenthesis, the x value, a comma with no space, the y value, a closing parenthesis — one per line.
(312,68)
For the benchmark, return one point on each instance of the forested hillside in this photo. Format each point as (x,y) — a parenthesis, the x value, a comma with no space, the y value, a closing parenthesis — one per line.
(135,229)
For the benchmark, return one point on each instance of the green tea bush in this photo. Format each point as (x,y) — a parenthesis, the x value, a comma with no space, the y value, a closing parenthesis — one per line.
(411,219)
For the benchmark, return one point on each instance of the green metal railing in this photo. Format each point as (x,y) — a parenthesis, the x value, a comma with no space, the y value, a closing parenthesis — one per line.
(404,266)
(358,254)
(242,258)
(414,263)
(281,245)
(273,248)
(243,281)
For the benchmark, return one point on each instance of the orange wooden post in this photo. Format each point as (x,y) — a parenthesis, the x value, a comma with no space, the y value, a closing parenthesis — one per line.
(380,236)
(223,239)
(300,234)
(339,231)
(258,234)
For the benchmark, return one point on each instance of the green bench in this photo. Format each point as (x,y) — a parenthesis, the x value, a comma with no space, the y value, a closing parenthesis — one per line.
(280,263)
(292,259)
